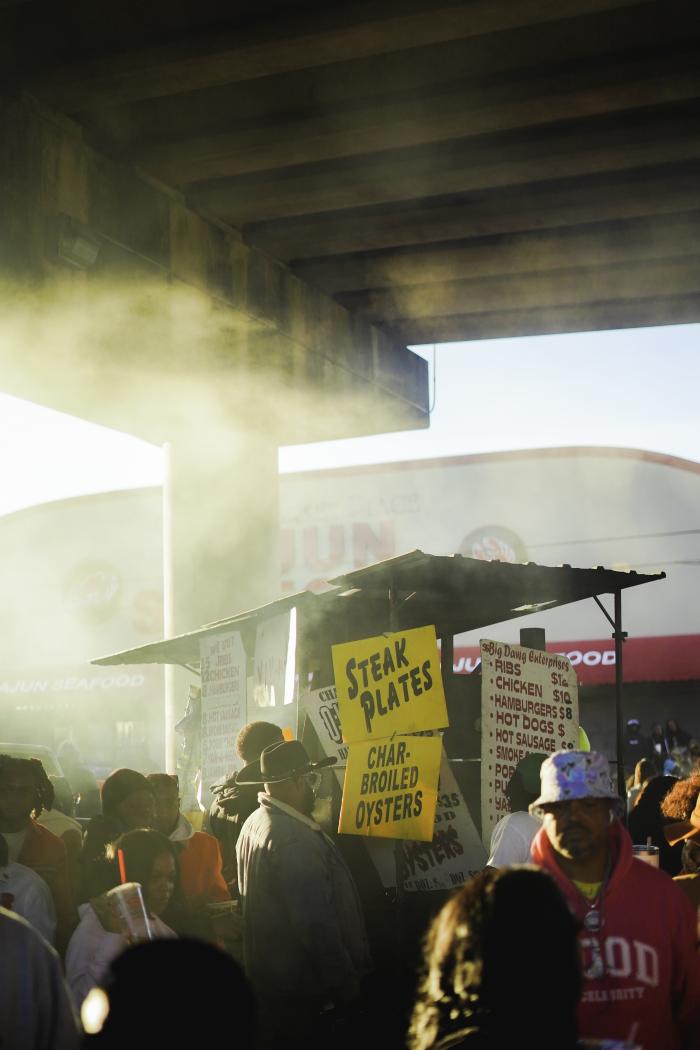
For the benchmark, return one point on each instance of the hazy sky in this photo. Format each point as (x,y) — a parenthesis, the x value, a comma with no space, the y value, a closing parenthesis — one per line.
(636,388)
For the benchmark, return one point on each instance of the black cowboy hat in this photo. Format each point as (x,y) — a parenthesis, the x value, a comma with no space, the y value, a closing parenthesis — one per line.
(280,761)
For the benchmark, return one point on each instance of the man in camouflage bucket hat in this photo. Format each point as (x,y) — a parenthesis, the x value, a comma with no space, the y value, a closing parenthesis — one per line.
(641,970)
(567,775)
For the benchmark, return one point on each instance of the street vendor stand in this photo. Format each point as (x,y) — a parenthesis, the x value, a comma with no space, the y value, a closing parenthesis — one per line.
(456,594)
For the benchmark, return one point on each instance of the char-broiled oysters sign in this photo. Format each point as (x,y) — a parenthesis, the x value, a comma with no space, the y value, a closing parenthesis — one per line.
(390,685)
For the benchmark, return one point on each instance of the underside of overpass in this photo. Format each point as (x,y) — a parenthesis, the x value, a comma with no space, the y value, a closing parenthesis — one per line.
(443,170)
(283,196)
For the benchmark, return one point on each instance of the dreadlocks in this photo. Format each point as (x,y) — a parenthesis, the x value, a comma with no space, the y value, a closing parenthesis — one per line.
(44,796)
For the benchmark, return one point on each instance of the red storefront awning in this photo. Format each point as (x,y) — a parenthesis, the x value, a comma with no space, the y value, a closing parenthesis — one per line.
(670,658)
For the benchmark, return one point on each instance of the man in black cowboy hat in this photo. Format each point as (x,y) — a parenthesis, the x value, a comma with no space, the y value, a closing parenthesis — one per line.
(233,803)
(304,936)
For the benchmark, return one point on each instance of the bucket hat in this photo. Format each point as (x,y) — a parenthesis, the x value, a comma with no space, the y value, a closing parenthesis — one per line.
(569,775)
(682,830)
(280,761)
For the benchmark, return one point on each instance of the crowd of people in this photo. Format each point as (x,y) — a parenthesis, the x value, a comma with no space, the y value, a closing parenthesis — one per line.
(668,748)
(565,941)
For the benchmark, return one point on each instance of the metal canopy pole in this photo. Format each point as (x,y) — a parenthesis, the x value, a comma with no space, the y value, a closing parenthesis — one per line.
(398,851)
(619,636)
(393,607)
(447,657)
(168,611)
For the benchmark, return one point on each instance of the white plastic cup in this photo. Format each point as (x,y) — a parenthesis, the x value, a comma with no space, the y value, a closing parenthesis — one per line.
(649,854)
(130,911)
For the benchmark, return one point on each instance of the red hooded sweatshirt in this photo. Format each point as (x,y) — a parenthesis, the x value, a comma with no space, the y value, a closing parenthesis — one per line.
(648,944)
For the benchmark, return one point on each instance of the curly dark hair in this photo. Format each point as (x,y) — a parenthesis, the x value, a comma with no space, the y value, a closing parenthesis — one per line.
(141,848)
(496,943)
(255,736)
(681,799)
(44,794)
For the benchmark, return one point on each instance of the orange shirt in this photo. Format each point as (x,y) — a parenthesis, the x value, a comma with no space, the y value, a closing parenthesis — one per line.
(199,858)
(45,853)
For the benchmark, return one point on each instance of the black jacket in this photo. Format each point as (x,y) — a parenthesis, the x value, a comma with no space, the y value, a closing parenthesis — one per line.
(229,811)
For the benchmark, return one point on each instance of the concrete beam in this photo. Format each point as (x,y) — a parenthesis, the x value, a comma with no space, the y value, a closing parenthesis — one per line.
(462,113)
(575,286)
(422,72)
(291,43)
(589,317)
(156,252)
(580,152)
(597,244)
(326,238)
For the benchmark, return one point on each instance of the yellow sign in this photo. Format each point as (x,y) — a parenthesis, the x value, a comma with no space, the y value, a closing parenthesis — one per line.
(389,684)
(391,788)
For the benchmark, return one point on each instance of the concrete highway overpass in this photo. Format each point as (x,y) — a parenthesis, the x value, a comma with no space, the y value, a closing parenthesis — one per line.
(222,223)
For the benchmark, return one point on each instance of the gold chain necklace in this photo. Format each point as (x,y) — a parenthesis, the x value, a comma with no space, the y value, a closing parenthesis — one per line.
(593,921)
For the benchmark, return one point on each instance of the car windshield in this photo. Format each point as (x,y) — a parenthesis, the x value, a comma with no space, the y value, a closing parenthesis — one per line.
(47,758)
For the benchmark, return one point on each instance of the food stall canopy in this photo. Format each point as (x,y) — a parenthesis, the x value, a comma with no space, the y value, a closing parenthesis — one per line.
(455,593)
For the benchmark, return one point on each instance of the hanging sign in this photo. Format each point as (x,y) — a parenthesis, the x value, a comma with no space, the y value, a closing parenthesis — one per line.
(455,854)
(223,711)
(391,788)
(273,666)
(321,707)
(529,702)
(389,684)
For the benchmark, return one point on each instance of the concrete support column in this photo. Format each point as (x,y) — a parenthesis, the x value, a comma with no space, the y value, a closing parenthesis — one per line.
(220,540)
(121,303)
(224,522)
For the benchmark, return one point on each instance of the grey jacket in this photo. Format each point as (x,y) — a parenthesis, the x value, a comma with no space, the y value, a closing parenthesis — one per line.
(303,929)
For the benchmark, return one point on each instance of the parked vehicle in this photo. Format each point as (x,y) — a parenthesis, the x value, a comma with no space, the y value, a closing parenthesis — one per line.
(52,768)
